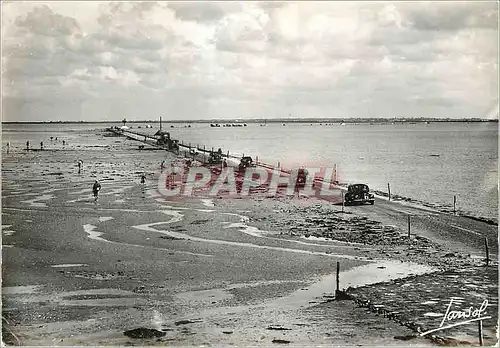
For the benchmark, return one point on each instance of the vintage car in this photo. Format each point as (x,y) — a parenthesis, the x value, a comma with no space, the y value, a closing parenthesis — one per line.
(245,162)
(214,158)
(359,193)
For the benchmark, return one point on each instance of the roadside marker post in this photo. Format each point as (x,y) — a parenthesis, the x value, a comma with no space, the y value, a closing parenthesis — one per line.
(389,190)
(338,280)
(342,192)
(409,225)
(480,329)
(487,251)
(454,205)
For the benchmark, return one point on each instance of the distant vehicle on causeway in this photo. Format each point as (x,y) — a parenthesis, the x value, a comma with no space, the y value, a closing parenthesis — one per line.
(359,194)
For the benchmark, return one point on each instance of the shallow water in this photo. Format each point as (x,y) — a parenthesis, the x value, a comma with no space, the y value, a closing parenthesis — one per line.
(428,162)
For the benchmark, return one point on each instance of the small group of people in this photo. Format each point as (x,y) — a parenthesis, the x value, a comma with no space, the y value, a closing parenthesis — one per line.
(41,144)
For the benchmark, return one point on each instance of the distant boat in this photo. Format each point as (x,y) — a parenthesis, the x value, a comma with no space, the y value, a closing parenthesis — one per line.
(434,155)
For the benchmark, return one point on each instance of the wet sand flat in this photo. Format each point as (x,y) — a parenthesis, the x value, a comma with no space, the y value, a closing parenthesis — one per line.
(201,270)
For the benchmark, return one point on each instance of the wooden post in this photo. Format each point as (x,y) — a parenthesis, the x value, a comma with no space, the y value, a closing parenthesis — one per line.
(338,274)
(409,225)
(480,329)
(227,153)
(487,251)
(454,205)
(389,190)
(343,203)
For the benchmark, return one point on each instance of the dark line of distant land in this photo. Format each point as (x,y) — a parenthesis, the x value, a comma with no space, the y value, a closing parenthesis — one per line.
(275,120)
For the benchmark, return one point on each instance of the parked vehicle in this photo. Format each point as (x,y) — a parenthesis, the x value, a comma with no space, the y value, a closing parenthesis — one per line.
(245,162)
(359,193)
(214,158)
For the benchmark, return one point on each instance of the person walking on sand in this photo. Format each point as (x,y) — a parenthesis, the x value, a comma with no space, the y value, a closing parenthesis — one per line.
(8,147)
(162,166)
(41,145)
(27,145)
(95,189)
(143,178)
(80,165)
(64,142)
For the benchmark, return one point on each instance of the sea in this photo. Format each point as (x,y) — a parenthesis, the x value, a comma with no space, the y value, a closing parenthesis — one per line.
(429,163)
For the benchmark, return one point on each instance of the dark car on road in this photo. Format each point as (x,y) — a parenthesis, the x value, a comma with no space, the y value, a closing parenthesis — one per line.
(359,193)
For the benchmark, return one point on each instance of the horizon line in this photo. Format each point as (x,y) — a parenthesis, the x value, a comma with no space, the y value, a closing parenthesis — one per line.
(273,120)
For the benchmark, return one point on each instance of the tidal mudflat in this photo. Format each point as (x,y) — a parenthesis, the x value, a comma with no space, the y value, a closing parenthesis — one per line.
(205,270)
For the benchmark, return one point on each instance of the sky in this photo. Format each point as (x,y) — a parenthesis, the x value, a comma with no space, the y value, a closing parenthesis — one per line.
(93,61)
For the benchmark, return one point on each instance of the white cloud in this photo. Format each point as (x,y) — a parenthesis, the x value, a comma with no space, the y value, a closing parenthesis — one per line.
(215,59)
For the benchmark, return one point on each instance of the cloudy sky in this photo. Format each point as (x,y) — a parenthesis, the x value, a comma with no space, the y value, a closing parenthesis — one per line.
(187,60)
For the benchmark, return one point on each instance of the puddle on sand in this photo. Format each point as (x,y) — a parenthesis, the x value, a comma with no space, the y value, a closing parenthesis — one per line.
(103,291)
(212,295)
(372,273)
(207,203)
(92,234)
(105,218)
(89,229)
(105,302)
(80,192)
(243,218)
(107,297)
(149,228)
(34,202)
(262,283)
(24,289)
(250,230)
(356,276)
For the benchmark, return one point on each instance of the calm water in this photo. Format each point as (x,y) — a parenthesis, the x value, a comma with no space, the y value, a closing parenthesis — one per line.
(399,154)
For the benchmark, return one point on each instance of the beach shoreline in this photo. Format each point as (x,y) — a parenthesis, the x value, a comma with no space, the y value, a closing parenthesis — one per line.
(79,273)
